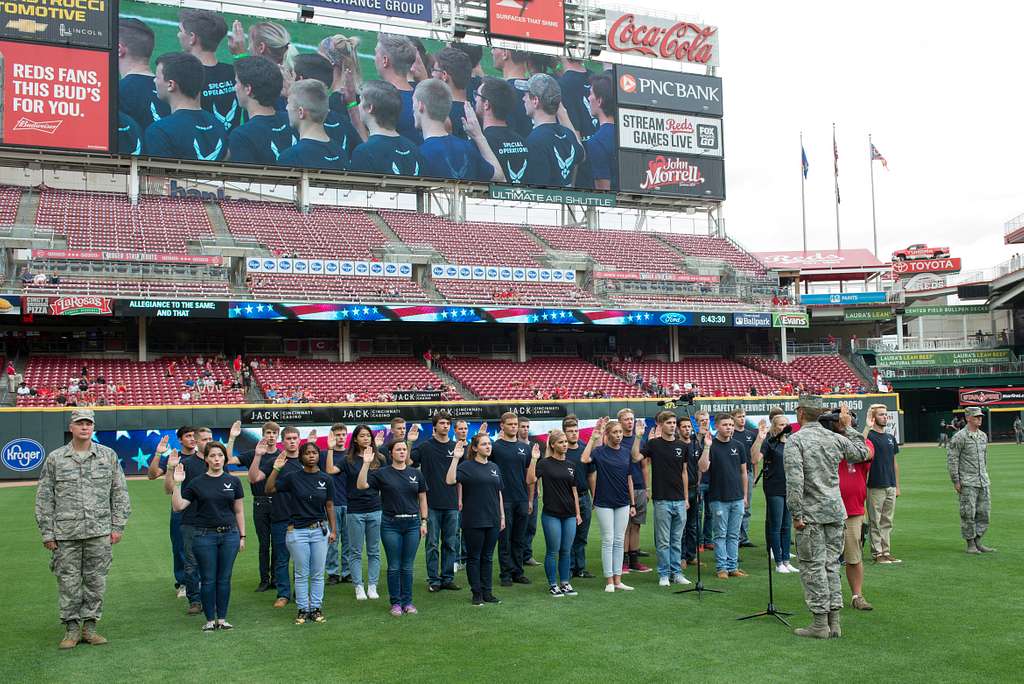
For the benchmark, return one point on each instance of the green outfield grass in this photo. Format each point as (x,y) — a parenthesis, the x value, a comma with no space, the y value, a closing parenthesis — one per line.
(940,613)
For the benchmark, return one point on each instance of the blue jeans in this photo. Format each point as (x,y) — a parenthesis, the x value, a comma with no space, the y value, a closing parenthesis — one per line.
(442,545)
(308,546)
(177,550)
(669,521)
(559,534)
(282,579)
(336,559)
(727,516)
(578,556)
(401,538)
(215,553)
(777,528)
(364,527)
(707,527)
(191,568)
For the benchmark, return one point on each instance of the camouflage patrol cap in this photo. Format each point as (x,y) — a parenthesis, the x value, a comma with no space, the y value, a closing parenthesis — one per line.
(810,401)
(972,411)
(83,414)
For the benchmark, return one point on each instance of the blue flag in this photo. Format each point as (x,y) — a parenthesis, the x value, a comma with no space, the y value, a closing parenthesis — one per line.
(803,161)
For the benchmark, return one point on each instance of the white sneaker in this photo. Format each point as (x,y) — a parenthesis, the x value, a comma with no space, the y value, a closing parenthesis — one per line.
(791,568)
(371,592)
(680,579)
(623,587)
(455,568)
(664,582)
(182,593)
(360,593)
(782,569)
(609,588)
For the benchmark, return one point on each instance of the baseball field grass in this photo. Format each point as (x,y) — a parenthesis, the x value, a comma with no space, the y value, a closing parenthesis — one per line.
(940,614)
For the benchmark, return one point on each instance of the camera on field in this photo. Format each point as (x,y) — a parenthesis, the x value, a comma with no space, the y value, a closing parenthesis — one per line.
(831,421)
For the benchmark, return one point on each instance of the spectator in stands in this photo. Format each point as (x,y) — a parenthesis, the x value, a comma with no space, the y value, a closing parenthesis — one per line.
(26,276)
(602,146)
(495,102)
(121,389)
(12,380)
(188,132)
(266,132)
(307,111)
(83,385)
(23,390)
(393,57)
(512,64)
(453,68)
(555,152)
(200,34)
(447,156)
(752,391)
(136,90)
(186,396)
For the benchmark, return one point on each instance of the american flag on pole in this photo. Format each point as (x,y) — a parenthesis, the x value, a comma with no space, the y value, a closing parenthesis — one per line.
(877,156)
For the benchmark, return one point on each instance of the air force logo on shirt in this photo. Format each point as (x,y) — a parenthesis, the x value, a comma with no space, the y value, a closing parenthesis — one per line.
(494,472)
(451,453)
(320,484)
(679,452)
(522,451)
(412,479)
(229,486)
(572,471)
(734,452)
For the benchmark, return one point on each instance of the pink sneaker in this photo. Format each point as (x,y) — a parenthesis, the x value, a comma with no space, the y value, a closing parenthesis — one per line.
(396,610)
(410,609)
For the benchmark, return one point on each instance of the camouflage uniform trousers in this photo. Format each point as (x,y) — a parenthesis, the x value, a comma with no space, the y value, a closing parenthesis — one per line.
(818,546)
(81,567)
(975,506)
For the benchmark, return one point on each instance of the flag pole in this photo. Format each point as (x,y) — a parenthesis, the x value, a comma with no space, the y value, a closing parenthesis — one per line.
(803,181)
(874,221)
(835,161)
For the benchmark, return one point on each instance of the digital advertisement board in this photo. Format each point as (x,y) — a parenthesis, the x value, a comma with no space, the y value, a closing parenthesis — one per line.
(655,173)
(668,90)
(664,132)
(417,10)
(83,23)
(537,21)
(55,97)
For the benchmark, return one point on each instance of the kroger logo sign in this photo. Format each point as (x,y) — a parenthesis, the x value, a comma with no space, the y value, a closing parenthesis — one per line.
(22,455)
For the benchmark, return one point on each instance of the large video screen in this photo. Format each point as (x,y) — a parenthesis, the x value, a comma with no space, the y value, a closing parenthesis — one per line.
(202,85)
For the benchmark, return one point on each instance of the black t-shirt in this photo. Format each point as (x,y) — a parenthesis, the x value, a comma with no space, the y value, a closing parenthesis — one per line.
(388,154)
(513,458)
(668,459)
(456,115)
(481,483)
(636,468)
(575,89)
(340,481)
(726,482)
(554,156)
(195,466)
(510,150)
(883,465)
(692,456)
(309,493)
(359,500)
(559,480)
(129,136)
(261,140)
(212,499)
(773,473)
(315,154)
(218,96)
(136,97)
(281,505)
(517,118)
(433,458)
(266,467)
(399,489)
(583,470)
(747,439)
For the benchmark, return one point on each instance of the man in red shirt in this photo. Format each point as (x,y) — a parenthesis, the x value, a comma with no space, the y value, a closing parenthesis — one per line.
(853,486)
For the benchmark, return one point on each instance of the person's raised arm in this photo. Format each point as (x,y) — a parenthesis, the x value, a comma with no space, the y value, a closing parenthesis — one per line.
(271,487)
(531,472)
(368,456)
(154,470)
(172,462)
(704,463)
(638,432)
(233,433)
(255,474)
(450,477)
(852,443)
(472,127)
(594,441)
(178,475)
(755,450)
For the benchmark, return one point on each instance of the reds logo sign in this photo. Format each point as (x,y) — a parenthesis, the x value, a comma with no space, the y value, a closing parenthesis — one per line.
(900,268)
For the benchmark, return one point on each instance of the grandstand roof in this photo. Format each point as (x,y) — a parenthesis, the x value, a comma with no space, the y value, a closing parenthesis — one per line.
(825,264)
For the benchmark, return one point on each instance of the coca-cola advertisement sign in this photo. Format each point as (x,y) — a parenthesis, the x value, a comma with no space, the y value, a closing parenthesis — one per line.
(80,306)
(679,41)
(668,174)
(668,90)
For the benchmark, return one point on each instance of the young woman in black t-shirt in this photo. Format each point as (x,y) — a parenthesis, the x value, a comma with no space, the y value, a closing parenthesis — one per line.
(561,509)
(777,523)
(219,521)
(483,512)
(363,516)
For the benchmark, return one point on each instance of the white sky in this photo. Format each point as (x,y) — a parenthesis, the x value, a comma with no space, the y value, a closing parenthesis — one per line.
(937,85)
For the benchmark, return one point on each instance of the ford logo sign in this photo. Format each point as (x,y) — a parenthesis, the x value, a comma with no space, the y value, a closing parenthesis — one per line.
(22,455)
(673,318)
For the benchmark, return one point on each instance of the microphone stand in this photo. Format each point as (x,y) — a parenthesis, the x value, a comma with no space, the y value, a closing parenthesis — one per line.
(771,610)
(699,586)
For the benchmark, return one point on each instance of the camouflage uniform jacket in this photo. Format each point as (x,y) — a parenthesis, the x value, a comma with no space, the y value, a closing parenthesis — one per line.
(811,461)
(81,497)
(967,458)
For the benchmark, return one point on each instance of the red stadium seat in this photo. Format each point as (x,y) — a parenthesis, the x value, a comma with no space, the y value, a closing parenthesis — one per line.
(471,243)
(366,380)
(711,374)
(500,379)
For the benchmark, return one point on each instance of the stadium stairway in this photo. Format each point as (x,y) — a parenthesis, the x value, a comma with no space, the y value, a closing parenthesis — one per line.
(27,209)
(383,227)
(220,225)
(450,380)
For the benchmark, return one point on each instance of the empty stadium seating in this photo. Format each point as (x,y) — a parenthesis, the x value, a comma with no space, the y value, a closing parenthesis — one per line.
(184,289)
(345,289)
(813,372)
(613,249)
(469,243)
(713,248)
(532,294)
(109,221)
(365,380)
(500,379)
(145,383)
(325,232)
(712,374)
(10,197)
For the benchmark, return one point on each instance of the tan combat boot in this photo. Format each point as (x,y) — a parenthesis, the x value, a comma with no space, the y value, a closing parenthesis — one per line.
(90,635)
(981,547)
(817,630)
(835,631)
(72,635)
(972,546)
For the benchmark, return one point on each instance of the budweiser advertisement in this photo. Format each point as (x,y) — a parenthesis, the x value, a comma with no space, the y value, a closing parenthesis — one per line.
(664,132)
(67,22)
(104,255)
(679,41)
(902,269)
(537,21)
(992,396)
(655,173)
(80,306)
(668,90)
(55,97)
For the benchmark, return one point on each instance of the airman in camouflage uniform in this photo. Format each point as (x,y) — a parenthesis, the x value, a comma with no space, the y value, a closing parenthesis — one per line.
(967,459)
(81,508)
(811,460)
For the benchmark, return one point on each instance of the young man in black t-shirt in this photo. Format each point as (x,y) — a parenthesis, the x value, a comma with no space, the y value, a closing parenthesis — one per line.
(746,438)
(686,439)
(883,484)
(433,458)
(513,458)
(670,493)
(722,458)
(263,457)
(266,132)
(136,91)
(453,68)
(307,111)
(200,33)
(555,152)
(189,131)
(385,151)
(495,101)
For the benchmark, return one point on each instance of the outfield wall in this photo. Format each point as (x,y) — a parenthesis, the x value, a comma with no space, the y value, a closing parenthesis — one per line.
(133,432)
